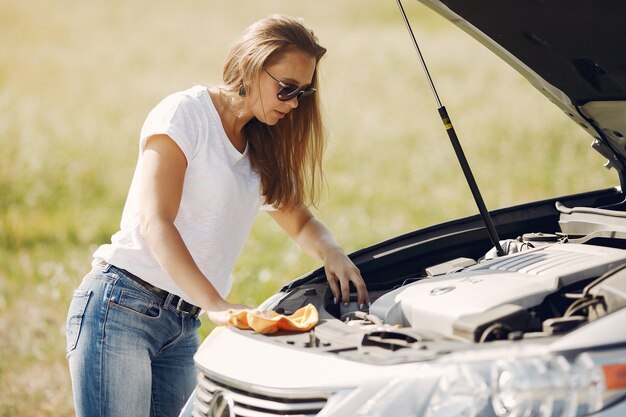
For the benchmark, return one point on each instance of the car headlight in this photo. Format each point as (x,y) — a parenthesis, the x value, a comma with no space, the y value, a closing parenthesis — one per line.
(531,387)
(538,386)
(454,391)
(459,393)
(554,387)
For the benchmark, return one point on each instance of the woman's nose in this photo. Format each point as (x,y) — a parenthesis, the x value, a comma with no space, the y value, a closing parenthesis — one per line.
(293,102)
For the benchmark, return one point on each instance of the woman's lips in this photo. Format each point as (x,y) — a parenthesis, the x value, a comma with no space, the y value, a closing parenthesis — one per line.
(279,114)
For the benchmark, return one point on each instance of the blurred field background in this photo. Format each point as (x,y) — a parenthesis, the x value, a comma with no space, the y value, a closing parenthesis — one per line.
(77,79)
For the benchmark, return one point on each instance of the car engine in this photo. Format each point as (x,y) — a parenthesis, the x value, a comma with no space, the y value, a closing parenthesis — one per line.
(538,290)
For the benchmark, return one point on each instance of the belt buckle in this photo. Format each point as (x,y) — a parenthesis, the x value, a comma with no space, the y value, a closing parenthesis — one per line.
(193,311)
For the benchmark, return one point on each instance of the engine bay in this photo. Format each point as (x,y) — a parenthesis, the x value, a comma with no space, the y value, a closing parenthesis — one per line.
(546,285)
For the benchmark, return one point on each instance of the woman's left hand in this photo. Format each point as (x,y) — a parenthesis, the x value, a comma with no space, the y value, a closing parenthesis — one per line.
(315,238)
(340,271)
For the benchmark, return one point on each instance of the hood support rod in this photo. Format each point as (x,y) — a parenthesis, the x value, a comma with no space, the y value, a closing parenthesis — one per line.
(491,229)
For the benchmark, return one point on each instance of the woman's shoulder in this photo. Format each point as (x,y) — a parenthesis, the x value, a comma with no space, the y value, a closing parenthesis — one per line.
(192,104)
(183,116)
(196,95)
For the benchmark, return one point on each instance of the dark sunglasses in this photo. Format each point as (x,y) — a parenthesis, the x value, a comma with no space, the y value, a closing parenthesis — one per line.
(290,91)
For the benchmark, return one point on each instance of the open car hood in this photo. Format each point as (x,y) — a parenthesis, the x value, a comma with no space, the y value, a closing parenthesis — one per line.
(574,52)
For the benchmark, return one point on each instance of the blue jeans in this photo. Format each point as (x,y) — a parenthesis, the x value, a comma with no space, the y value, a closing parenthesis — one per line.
(130,354)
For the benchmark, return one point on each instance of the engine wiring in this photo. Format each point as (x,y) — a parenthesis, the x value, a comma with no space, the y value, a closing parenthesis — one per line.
(580,305)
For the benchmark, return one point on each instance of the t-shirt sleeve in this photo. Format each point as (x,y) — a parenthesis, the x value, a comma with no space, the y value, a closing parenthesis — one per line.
(180,117)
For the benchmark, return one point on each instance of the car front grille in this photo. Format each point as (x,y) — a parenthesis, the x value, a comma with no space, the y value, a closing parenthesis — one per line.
(226,399)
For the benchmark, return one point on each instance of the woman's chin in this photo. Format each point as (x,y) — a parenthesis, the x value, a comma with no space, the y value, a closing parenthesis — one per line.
(270,121)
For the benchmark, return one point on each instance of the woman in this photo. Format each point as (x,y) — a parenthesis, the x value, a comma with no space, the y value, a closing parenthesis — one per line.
(209,159)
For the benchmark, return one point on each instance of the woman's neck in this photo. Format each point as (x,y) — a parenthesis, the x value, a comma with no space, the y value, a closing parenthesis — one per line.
(232,117)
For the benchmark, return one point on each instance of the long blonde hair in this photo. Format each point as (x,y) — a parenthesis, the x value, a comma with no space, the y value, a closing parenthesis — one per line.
(288,155)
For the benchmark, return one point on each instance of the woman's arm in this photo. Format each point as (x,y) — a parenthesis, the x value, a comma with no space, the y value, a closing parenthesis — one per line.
(315,239)
(163,174)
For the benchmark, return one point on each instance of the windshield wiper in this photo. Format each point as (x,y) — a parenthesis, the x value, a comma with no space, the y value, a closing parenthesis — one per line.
(491,229)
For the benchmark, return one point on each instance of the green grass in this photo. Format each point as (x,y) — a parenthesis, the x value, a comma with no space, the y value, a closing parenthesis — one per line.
(78,78)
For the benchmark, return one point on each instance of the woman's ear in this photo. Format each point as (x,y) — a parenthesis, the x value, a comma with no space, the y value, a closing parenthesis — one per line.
(243,87)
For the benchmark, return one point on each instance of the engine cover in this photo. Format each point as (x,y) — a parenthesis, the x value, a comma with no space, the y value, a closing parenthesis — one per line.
(523,279)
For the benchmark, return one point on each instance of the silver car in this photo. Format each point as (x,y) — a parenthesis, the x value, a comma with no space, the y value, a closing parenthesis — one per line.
(531,323)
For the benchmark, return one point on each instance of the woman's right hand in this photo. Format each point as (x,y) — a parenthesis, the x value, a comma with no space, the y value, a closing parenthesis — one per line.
(220,313)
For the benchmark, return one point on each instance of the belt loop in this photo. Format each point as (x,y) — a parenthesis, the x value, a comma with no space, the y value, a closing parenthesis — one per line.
(169,300)
(106,267)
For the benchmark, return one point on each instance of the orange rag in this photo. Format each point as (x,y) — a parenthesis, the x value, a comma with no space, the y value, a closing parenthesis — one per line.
(266,322)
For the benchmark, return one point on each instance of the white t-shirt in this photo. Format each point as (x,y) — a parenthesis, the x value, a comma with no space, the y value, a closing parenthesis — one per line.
(221,195)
